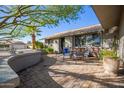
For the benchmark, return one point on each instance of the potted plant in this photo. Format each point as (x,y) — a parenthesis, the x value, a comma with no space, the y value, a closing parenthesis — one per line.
(110,61)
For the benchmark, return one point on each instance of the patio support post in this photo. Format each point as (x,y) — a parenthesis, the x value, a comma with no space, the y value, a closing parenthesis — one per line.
(102,37)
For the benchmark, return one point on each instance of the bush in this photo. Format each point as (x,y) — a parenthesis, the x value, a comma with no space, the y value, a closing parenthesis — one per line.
(48,50)
(39,45)
(108,53)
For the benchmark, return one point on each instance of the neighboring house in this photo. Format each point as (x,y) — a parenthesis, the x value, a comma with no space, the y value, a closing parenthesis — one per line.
(82,37)
(112,20)
(11,43)
(29,44)
(18,45)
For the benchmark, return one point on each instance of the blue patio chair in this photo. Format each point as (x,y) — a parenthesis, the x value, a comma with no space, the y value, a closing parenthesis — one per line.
(66,52)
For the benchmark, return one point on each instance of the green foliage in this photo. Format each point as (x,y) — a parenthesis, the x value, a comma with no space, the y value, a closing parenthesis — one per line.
(3,46)
(27,31)
(15,18)
(108,53)
(39,45)
(48,50)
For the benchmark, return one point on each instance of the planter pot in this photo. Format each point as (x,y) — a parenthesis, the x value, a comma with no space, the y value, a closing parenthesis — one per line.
(111,66)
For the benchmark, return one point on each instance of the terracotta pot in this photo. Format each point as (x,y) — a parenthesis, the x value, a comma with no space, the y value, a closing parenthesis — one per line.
(111,66)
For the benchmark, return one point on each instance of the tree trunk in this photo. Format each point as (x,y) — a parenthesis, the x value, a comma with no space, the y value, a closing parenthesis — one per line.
(33,41)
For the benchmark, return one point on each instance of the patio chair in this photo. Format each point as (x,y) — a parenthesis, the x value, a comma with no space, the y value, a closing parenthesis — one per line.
(77,53)
(96,52)
(66,53)
(57,54)
(88,52)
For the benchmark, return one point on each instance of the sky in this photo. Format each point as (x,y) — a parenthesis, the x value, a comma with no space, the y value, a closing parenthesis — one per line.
(85,19)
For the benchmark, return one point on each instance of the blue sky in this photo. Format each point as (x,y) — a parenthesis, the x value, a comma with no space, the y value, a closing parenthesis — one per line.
(85,19)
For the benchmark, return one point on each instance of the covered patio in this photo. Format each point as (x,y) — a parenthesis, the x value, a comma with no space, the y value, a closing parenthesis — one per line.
(53,73)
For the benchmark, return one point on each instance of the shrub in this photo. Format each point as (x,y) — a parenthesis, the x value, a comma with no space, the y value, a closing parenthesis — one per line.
(48,50)
(39,45)
(108,53)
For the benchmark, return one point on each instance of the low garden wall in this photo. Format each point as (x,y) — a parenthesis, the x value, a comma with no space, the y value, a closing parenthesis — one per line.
(20,62)
(8,69)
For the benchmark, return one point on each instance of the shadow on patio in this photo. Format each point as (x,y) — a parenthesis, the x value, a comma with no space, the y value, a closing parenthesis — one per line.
(37,76)
(53,74)
(90,79)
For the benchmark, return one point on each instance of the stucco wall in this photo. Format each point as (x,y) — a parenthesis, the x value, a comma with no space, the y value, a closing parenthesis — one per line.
(108,39)
(55,45)
(68,41)
(121,36)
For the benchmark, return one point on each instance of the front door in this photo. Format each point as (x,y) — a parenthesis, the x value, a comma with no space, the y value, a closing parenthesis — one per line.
(62,44)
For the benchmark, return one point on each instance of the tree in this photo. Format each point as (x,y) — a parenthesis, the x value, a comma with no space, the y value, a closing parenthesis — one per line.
(33,31)
(20,16)
(23,20)
(39,45)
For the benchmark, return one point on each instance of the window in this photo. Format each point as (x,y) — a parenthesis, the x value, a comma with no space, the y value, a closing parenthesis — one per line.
(50,41)
(93,40)
(96,40)
(82,40)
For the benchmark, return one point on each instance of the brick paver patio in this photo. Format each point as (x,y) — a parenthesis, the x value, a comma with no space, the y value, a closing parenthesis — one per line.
(52,73)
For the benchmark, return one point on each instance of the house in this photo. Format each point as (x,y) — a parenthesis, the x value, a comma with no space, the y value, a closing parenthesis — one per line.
(90,35)
(18,45)
(111,18)
(11,43)
(29,44)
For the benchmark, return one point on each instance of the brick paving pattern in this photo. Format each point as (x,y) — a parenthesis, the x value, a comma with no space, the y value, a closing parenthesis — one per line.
(56,73)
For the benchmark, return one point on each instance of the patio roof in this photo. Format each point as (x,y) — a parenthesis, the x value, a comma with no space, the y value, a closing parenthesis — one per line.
(108,15)
(83,30)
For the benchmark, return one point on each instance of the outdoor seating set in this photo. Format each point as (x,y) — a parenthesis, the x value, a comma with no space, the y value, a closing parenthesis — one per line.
(81,53)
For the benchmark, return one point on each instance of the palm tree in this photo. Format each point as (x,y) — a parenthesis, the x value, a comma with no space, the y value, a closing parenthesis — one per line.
(33,31)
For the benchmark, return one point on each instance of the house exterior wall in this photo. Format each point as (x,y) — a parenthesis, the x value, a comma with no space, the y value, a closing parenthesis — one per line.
(54,43)
(68,41)
(108,39)
(121,36)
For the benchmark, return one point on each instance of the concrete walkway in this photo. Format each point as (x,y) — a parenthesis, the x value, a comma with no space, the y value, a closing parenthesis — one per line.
(54,73)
